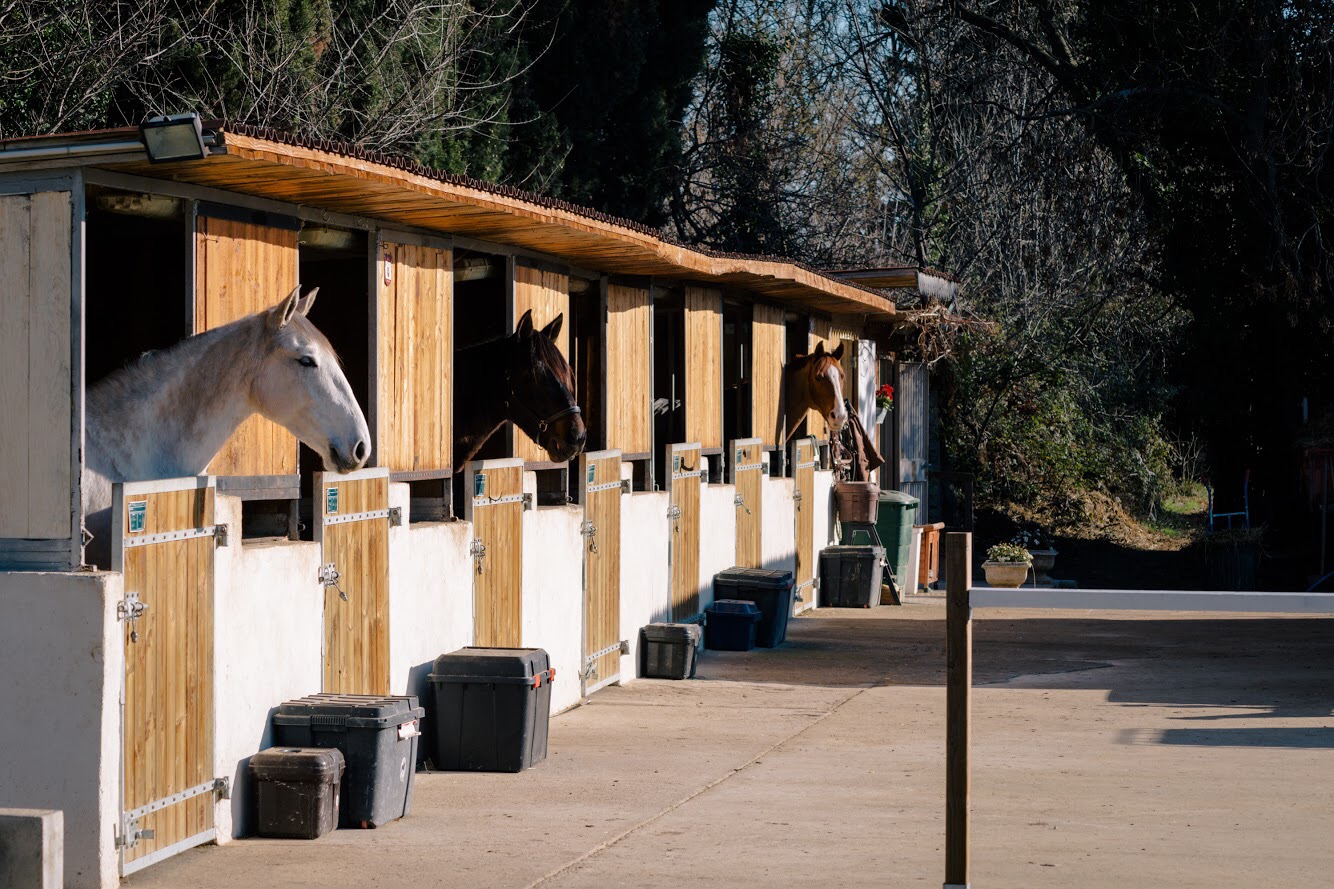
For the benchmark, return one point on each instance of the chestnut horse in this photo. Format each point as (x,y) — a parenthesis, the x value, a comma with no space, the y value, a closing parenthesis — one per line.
(815,381)
(522,378)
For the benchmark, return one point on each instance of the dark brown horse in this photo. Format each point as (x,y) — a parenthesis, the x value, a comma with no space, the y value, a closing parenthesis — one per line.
(522,378)
(815,381)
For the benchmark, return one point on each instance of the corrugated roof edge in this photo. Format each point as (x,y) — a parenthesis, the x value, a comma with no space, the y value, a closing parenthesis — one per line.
(416,168)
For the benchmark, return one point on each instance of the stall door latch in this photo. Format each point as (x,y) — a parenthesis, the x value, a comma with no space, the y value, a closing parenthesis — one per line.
(329,577)
(477,550)
(673,512)
(740,501)
(131,609)
(589,532)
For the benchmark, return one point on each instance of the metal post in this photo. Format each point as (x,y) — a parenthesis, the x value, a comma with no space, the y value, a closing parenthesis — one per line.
(958,705)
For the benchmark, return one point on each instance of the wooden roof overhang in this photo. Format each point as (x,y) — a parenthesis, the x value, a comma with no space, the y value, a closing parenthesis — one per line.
(341,179)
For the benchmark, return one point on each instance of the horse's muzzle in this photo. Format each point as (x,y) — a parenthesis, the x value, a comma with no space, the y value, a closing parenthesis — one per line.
(567,439)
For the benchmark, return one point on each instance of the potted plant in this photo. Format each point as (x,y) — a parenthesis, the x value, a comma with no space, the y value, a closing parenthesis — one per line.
(1007,565)
(884,402)
(1040,546)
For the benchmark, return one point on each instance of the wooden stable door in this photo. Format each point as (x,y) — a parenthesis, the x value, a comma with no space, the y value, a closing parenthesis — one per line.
(601,495)
(243,267)
(748,476)
(414,348)
(352,529)
(163,539)
(683,465)
(804,458)
(495,508)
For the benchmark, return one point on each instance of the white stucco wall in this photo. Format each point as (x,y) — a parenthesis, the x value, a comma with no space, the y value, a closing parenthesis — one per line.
(717,536)
(778,529)
(645,583)
(553,594)
(430,596)
(268,641)
(60,737)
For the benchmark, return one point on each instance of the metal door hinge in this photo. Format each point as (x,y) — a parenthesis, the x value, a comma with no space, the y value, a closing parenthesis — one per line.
(527,501)
(220,535)
(222,788)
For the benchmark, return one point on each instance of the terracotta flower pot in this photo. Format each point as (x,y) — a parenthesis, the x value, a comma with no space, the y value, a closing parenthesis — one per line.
(1006,574)
(1043,561)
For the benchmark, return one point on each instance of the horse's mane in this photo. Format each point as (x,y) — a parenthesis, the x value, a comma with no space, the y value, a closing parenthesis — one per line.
(544,350)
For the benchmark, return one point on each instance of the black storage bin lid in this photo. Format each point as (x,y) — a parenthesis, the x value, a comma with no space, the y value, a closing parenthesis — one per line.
(854,552)
(688,633)
(304,765)
(334,711)
(756,577)
(735,607)
(517,666)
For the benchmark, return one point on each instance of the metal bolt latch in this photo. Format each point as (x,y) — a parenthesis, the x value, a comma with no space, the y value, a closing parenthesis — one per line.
(131,609)
(673,512)
(740,501)
(477,550)
(589,532)
(329,577)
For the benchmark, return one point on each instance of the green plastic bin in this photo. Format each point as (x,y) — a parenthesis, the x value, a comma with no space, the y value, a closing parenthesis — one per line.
(894,521)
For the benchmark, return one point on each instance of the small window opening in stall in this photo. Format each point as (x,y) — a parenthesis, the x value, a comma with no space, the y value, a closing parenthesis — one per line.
(335,261)
(669,425)
(481,298)
(136,293)
(737,327)
(587,347)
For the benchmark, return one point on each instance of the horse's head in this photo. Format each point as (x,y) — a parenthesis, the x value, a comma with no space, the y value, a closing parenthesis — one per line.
(824,376)
(299,384)
(540,395)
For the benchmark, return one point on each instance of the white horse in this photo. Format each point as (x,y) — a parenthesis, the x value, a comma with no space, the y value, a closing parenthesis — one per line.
(167,414)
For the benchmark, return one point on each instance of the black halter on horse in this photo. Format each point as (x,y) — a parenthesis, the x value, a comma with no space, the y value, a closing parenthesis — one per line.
(542,424)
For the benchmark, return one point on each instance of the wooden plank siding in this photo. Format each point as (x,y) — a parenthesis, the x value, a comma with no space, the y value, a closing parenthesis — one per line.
(496,511)
(547,294)
(804,457)
(35,360)
(748,476)
(168,690)
(242,268)
(601,473)
(704,366)
(683,473)
(414,383)
(768,347)
(629,369)
(356,609)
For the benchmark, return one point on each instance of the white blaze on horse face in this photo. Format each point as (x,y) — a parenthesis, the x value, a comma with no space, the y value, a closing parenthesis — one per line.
(302,387)
(838,417)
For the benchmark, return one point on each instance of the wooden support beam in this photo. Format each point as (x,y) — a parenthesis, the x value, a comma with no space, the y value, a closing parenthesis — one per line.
(958,705)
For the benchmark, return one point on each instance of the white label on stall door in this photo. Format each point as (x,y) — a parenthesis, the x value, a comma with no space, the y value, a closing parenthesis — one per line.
(389,268)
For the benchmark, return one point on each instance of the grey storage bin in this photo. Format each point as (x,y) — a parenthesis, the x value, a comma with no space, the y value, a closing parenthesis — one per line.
(297,791)
(850,576)
(667,651)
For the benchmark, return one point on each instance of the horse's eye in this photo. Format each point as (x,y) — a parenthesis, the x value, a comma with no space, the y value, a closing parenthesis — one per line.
(307,361)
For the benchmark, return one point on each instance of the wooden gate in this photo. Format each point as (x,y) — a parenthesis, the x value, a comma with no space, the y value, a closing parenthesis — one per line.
(495,507)
(352,529)
(804,456)
(748,476)
(683,464)
(163,539)
(601,495)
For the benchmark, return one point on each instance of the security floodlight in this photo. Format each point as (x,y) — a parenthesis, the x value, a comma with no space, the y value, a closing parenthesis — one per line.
(174,137)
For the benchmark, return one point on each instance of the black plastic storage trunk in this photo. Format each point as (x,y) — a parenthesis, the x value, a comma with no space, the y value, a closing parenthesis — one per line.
(771,591)
(297,791)
(730,625)
(492,709)
(377,735)
(668,650)
(850,576)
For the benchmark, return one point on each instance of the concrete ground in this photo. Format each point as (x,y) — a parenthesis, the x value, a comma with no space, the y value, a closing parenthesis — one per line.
(1117,751)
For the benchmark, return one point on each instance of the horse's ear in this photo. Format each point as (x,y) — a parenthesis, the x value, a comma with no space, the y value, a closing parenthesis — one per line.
(303,306)
(819,349)
(552,330)
(838,353)
(525,325)
(279,315)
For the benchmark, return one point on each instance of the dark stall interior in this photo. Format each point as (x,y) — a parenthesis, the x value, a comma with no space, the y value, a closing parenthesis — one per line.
(669,416)
(737,326)
(481,299)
